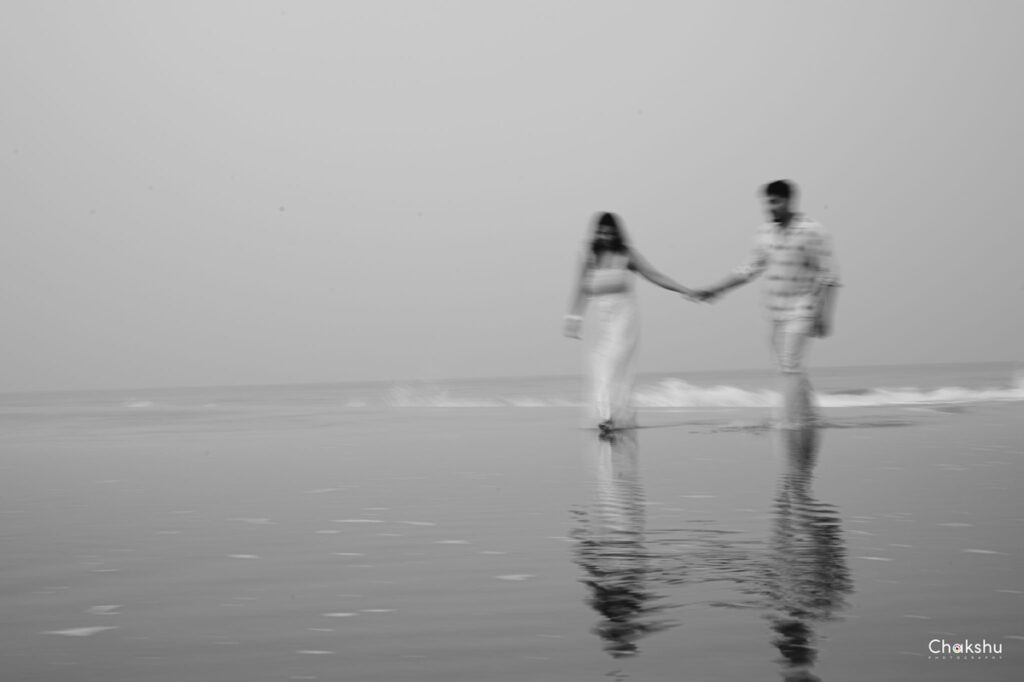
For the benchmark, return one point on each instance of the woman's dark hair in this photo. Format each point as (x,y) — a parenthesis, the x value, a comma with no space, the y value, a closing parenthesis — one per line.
(618,243)
(784,189)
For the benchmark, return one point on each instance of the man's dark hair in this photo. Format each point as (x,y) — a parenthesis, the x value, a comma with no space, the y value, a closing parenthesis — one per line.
(784,189)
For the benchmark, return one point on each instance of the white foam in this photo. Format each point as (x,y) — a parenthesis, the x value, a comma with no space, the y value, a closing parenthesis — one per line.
(678,393)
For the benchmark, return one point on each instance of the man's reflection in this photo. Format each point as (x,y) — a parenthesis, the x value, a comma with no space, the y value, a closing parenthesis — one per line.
(610,547)
(808,578)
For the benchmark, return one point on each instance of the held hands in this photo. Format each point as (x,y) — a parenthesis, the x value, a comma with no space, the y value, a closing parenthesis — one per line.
(692,295)
(704,295)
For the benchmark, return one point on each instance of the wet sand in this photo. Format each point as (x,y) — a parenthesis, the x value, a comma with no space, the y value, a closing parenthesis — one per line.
(507,544)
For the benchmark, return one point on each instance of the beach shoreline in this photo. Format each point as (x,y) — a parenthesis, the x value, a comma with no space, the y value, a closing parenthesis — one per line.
(505,544)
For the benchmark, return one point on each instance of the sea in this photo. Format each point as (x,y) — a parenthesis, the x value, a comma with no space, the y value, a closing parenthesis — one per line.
(887,388)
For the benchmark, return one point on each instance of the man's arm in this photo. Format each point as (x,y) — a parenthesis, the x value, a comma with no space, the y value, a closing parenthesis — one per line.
(827,282)
(826,306)
(731,282)
(755,265)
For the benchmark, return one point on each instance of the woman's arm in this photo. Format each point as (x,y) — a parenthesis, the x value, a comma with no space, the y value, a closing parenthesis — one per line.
(578,301)
(639,264)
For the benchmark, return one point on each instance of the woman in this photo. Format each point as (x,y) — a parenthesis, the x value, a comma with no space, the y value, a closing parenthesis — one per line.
(606,279)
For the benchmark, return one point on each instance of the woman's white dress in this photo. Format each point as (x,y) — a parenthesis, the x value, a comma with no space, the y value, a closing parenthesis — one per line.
(616,338)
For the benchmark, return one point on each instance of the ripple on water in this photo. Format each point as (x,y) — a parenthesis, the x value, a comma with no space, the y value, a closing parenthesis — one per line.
(80,632)
(104,610)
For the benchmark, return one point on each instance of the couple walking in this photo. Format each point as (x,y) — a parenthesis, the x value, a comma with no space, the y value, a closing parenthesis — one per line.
(791,251)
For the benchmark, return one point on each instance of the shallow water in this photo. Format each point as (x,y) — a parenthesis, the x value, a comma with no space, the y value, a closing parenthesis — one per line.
(505,544)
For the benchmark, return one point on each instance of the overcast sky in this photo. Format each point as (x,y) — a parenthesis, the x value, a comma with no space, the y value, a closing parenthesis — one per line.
(272,192)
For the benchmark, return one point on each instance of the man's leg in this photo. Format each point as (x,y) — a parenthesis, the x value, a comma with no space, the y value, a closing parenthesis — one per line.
(789,341)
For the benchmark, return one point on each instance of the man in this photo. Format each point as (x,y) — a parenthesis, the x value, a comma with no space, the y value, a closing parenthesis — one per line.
(795,255)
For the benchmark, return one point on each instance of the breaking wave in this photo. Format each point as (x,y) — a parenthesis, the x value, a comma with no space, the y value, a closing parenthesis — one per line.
(676,393)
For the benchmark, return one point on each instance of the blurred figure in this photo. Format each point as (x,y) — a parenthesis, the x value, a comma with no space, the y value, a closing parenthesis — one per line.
(610,548)
(606,279)
(795,254)
(808,578)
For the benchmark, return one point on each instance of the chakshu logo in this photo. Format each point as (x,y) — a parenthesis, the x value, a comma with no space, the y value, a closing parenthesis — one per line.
(983,650)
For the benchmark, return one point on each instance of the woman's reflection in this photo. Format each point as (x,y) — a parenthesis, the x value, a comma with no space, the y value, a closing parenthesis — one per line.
(808,578)
(610,547)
